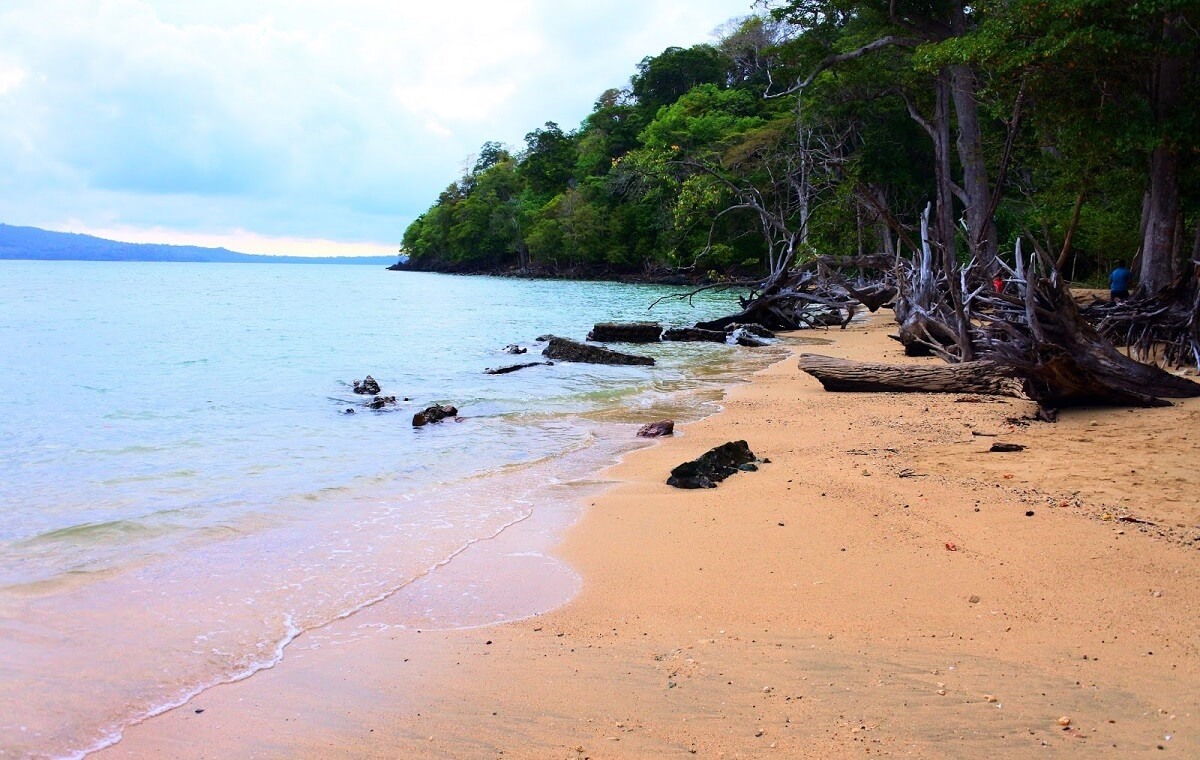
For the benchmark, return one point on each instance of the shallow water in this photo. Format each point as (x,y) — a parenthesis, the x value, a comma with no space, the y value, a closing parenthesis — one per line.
(183,493)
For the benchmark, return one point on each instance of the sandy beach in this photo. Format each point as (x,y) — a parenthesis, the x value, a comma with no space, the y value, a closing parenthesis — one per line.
(884,586)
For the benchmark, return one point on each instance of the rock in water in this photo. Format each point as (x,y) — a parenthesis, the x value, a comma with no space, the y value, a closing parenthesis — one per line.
(744,337)
(713,467)
(751,327)
(435,413)
(626,332)
(694,334)
(513,348)
(367,387)
(515,367)
(380,402)
(567,350)
(655,429)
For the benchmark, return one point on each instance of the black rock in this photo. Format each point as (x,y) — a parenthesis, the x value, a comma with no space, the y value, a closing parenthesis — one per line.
(515,367)
(567,350)
(513,348)
(694,334)
(380,402)
(349,411)
(366,387)
(714,466)
(744,337)
(626,332)
(1006,447)
(751,327)
(435,413)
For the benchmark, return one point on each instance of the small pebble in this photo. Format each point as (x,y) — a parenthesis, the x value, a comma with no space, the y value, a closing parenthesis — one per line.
(1064,721)
(989,698)
(974,600)
(941,692)
(1029,513)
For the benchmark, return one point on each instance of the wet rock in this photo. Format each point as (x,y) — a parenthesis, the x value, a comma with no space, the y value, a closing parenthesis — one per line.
(744,337)
(694,334)
(752,328)
(435,413)
(366,387)
(380,402)
(712,467)
(655,429)
(1006,447)
(513,348)
(626,332)
(515,367)
(567,350)
(348,411)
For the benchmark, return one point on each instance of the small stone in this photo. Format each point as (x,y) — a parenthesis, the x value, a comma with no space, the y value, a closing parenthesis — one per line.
(766,690)
(1157,594)
(759,732)
(989,698)
(1029,513)
(1064,721)
(974,599)
(941,692)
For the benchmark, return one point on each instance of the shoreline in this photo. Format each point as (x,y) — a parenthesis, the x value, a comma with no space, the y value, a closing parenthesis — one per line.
(812,608)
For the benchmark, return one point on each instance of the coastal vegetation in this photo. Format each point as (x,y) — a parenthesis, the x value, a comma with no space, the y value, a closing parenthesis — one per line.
(827,126)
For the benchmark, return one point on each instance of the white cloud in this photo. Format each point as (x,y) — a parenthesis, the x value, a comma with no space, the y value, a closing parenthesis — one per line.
(294,118)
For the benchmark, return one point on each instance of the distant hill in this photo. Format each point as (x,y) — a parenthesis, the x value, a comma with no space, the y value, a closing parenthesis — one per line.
(44,245)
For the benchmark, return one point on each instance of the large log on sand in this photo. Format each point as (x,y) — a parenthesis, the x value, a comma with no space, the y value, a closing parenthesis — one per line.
(968,377)
(626,332)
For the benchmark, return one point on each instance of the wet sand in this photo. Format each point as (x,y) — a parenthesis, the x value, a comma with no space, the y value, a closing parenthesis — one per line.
(879,588)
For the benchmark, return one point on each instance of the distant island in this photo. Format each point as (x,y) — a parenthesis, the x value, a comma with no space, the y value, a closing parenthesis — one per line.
(44,245)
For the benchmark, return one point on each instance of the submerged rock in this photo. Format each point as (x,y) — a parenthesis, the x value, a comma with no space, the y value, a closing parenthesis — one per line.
(567,350)
(515,367)
(513,348)
(435,413)
(366,387)
(380,402)
(713,466)
(626,332)
(694,334)
(655,429)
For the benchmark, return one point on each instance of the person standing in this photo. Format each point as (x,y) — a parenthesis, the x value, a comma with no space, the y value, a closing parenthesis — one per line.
(1118,282)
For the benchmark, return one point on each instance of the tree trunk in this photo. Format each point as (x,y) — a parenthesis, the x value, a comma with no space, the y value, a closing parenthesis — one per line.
(1158,263)
(980,219)
(843,375)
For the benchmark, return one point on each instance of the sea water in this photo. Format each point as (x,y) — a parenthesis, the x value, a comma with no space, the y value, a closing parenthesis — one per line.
(183,493)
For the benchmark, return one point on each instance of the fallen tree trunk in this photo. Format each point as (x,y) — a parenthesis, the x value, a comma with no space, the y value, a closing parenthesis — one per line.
(844,375)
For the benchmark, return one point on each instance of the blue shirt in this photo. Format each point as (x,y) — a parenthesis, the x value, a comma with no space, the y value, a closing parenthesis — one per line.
(1119,279)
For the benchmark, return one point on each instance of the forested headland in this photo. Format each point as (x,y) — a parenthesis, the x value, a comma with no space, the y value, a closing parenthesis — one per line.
(827,126)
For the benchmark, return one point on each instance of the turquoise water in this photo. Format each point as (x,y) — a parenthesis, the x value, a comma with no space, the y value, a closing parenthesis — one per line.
(183,493)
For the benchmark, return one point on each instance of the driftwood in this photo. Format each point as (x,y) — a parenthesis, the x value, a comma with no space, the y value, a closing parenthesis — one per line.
(626,332)
(842,375)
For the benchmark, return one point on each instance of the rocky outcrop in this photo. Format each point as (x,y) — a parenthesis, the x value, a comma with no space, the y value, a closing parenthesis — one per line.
(656,429)
(567,350)
(366,387)
(515,367)
(626,332)
(435,413)
(714,466)
(694,334)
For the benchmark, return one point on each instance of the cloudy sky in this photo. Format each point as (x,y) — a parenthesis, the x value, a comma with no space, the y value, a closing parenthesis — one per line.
(293,126)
